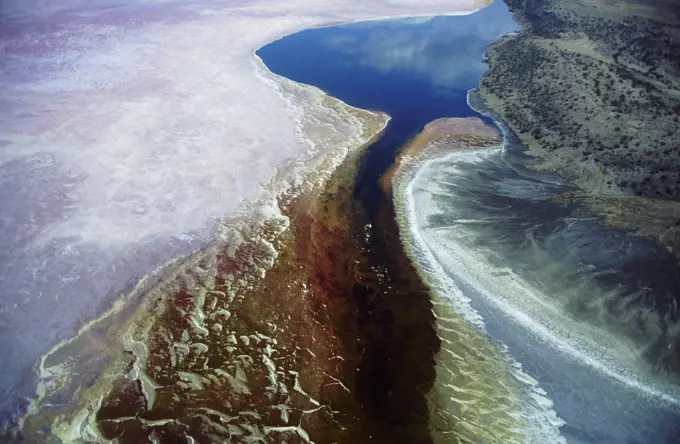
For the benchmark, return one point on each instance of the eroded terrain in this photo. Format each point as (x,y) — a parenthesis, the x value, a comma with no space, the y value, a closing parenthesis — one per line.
(241,341)
(310,327)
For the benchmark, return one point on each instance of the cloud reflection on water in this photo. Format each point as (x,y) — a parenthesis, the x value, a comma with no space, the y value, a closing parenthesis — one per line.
(440,50)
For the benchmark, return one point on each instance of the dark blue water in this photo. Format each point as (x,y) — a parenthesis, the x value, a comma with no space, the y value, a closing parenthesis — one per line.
(415,70)
(421,70)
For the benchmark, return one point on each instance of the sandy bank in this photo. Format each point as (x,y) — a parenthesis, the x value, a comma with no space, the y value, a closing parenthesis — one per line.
(440,137)
(478,393)
(451,255)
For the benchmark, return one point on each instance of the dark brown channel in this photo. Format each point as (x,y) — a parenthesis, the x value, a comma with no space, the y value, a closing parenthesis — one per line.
(366,320)
(335,342)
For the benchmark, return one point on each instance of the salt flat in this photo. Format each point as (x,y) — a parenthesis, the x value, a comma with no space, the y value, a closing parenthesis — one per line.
(127,131)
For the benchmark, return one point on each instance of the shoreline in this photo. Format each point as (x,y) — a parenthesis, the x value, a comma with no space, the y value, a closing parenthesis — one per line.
(621,196)
(257,243)
(614,360)
(454,313)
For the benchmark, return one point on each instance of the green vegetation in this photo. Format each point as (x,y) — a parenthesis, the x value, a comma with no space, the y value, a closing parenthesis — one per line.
(593,88)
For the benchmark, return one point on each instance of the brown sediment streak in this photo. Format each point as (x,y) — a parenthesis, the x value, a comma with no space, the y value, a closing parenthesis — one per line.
(253,340)
(309,330)
(470,396)
(379,312)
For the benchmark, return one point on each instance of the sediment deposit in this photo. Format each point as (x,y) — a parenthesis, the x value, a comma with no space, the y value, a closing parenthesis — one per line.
(479,393)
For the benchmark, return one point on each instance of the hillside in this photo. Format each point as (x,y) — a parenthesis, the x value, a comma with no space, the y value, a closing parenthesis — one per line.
(593,89)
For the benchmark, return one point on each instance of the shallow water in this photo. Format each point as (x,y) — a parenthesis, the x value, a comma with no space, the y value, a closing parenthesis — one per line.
(511,250)
(502,215)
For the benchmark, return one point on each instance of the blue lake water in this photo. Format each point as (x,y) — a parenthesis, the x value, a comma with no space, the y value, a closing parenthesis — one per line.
(418,70)
(415,70)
